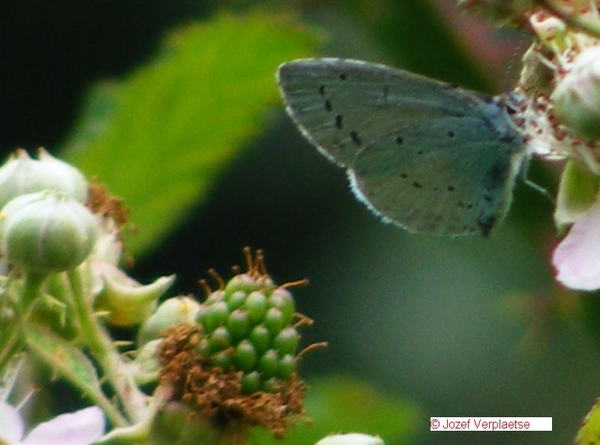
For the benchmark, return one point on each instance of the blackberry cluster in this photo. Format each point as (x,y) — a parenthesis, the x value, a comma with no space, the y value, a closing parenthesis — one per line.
(248,327)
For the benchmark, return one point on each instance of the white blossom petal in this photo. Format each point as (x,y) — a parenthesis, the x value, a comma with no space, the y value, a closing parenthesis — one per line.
(79,428)
(350,439)
(577,257)
(11,425)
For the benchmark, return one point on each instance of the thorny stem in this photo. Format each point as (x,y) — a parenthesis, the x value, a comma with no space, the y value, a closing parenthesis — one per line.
(100,345)
(31,291)
(12,342)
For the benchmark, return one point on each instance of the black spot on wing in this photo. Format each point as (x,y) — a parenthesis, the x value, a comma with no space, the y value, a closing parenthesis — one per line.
(486,224)
(496,175)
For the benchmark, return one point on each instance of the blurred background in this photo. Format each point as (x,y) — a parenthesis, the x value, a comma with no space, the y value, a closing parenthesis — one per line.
(461,326)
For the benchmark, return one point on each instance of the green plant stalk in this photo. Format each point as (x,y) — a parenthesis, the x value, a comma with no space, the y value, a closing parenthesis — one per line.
(30,292)
(58,287)
(93,392)
(101,347)
(11,341)
(11,344)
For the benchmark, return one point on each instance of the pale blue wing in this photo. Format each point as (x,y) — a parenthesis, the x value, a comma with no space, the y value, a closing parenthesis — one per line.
(446,176)
(423,154)
(342,106)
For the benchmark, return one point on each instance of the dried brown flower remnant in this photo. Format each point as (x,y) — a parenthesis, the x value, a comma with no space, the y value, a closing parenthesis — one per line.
(216,395)
(101,203)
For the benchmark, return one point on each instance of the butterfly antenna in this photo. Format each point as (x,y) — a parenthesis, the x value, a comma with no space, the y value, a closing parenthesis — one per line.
(542,190)
(535,186)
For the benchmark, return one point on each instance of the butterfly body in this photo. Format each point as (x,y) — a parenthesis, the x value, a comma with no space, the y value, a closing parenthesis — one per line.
(422,154)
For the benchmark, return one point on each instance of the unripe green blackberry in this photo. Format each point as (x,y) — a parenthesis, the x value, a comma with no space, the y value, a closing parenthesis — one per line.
(238,324)
(213,315)
(260,338)
(240,358)
(248,326)
(286,342)
(268,363)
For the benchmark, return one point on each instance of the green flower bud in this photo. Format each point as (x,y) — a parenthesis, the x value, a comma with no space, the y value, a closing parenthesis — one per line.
(46,232)
(146,366)
(72,180)
(577,96)
(21,175)
(129,302)
(179,310)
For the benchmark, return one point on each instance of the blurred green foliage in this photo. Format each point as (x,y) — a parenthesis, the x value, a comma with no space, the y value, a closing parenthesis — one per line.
(196,141)
(161,137)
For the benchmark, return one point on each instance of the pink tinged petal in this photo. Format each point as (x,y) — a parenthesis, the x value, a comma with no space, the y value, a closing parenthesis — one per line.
(11,425)
(577,257)
(79,428)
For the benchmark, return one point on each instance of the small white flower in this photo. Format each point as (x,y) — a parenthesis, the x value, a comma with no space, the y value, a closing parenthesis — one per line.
(576,257)
(79,428)
(350,439)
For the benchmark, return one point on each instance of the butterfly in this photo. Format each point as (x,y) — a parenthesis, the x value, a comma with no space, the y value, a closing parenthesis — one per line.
(422,154)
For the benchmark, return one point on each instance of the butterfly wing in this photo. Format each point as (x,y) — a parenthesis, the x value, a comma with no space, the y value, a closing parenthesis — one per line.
(375,120)
(446,176)
(342,105)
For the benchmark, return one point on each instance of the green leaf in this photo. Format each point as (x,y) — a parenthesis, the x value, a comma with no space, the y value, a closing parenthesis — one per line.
(578,191)
(161,137)
(342,405)
(62,357)
(589,431)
